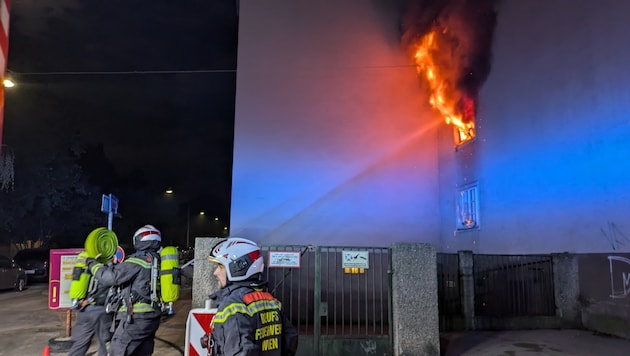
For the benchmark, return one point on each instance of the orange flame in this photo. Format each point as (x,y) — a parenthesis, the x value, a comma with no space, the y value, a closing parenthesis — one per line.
(456,107)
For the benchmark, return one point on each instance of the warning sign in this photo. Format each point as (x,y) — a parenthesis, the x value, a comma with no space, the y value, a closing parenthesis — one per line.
(62,263)
(197,325)
(355,259)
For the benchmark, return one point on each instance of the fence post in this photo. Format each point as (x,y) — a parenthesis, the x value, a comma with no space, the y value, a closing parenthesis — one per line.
(317,300)
(467,288)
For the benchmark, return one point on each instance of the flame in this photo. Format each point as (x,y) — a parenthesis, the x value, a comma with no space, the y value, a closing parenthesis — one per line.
(456,107)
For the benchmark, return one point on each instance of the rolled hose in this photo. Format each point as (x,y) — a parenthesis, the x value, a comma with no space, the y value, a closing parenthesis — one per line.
(101,241)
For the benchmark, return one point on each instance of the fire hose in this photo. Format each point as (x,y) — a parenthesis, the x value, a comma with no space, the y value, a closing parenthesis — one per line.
(101,241)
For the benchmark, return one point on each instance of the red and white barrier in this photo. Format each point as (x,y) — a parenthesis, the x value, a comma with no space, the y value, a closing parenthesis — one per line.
(197,325)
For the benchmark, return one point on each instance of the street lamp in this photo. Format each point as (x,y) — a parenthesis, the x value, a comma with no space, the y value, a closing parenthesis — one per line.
(188,226)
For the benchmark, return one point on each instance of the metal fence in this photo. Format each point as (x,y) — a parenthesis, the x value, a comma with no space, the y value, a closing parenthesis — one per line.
(504,286)
(449,294)
(327,301)
(513,285)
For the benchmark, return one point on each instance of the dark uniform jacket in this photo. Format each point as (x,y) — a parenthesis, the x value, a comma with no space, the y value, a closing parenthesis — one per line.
(133,275)
(251,322)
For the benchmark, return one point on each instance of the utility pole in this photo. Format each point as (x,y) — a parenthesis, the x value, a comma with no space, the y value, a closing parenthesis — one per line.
(188,227)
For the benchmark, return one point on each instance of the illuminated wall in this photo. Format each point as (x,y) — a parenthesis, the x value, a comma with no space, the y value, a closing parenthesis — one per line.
(551,156)
(334,143)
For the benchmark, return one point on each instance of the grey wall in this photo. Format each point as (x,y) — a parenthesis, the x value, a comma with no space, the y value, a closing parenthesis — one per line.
(605,292)
(333,141)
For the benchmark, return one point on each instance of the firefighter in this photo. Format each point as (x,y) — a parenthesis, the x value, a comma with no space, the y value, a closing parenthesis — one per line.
(137,316)
(92,319)
(249,320)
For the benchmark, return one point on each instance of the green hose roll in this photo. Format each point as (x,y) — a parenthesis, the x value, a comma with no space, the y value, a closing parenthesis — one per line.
(101,241)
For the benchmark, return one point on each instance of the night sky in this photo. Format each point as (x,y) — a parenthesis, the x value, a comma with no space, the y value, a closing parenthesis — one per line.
(152,83)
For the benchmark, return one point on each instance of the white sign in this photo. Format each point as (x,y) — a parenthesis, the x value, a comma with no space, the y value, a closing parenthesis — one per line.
(356,259)
(284,259)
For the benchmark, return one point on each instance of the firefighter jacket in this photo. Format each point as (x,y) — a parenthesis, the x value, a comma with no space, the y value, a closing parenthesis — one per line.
(250,322)
(133,276)
(98,295)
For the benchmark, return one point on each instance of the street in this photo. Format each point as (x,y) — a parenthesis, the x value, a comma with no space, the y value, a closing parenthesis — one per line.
(27,323)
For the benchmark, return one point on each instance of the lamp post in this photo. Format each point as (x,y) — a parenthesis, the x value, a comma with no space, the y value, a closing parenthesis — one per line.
(188,226)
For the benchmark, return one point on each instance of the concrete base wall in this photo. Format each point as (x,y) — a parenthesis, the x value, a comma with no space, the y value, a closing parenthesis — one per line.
(414,300)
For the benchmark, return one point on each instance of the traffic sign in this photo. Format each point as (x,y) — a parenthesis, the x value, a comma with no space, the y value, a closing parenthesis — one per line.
(120,254)
(197,325)
(109,204)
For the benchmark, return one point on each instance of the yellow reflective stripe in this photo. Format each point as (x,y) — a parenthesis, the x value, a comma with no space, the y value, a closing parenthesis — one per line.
(248,310)
(261,305)
(95,268)
(140,262)
(138,308)
(230,310)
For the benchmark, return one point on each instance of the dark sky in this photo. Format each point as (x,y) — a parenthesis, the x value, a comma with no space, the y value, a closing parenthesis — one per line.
(154,82)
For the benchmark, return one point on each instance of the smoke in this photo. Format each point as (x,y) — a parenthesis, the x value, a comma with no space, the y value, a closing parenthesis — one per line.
(466,28)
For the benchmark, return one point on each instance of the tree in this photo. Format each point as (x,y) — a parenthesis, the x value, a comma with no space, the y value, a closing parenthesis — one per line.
(51,201)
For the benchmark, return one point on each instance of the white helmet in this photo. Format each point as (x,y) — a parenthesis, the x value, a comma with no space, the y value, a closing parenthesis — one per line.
(240,257)
(147,233)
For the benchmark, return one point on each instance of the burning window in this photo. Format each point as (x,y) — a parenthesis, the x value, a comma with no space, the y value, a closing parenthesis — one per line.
(468,208)
(457,108)
(450,42)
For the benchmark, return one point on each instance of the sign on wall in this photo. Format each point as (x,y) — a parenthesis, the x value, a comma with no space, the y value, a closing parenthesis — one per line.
(284,259)
(355,259)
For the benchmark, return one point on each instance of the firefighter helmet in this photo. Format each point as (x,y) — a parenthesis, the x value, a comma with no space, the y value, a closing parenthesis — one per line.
(146,237)
(240,257)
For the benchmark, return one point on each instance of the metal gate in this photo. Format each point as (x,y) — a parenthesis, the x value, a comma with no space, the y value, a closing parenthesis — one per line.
(504,287)
(339,308)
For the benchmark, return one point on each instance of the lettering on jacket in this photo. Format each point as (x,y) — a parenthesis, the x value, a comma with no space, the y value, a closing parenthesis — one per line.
(268,309)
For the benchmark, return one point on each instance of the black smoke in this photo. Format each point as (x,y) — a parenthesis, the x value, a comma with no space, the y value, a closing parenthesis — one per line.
(466,29)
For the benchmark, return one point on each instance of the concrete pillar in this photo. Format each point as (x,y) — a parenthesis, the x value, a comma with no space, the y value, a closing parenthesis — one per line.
(467,288)
(566,285)
(415,300)
(204,283)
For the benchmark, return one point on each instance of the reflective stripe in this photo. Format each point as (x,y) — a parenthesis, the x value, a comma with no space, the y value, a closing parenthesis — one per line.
(261,305)
(138,308)
(230,310)
(249,310)
(140,262)
(95,268)
(170,257)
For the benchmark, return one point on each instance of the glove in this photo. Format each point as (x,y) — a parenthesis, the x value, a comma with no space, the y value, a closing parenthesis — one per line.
(89,262)
(82,257)
(207,343)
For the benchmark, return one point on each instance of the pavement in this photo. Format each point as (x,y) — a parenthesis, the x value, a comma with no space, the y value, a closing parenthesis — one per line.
(533,342)
(170,337)
(26,329)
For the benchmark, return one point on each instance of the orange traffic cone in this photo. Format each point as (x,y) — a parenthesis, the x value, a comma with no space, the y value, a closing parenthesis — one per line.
(46,351)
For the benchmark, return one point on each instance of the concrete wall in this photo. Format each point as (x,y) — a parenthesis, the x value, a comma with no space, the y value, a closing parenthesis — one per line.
(552,140)
(605,292)
(334,143)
